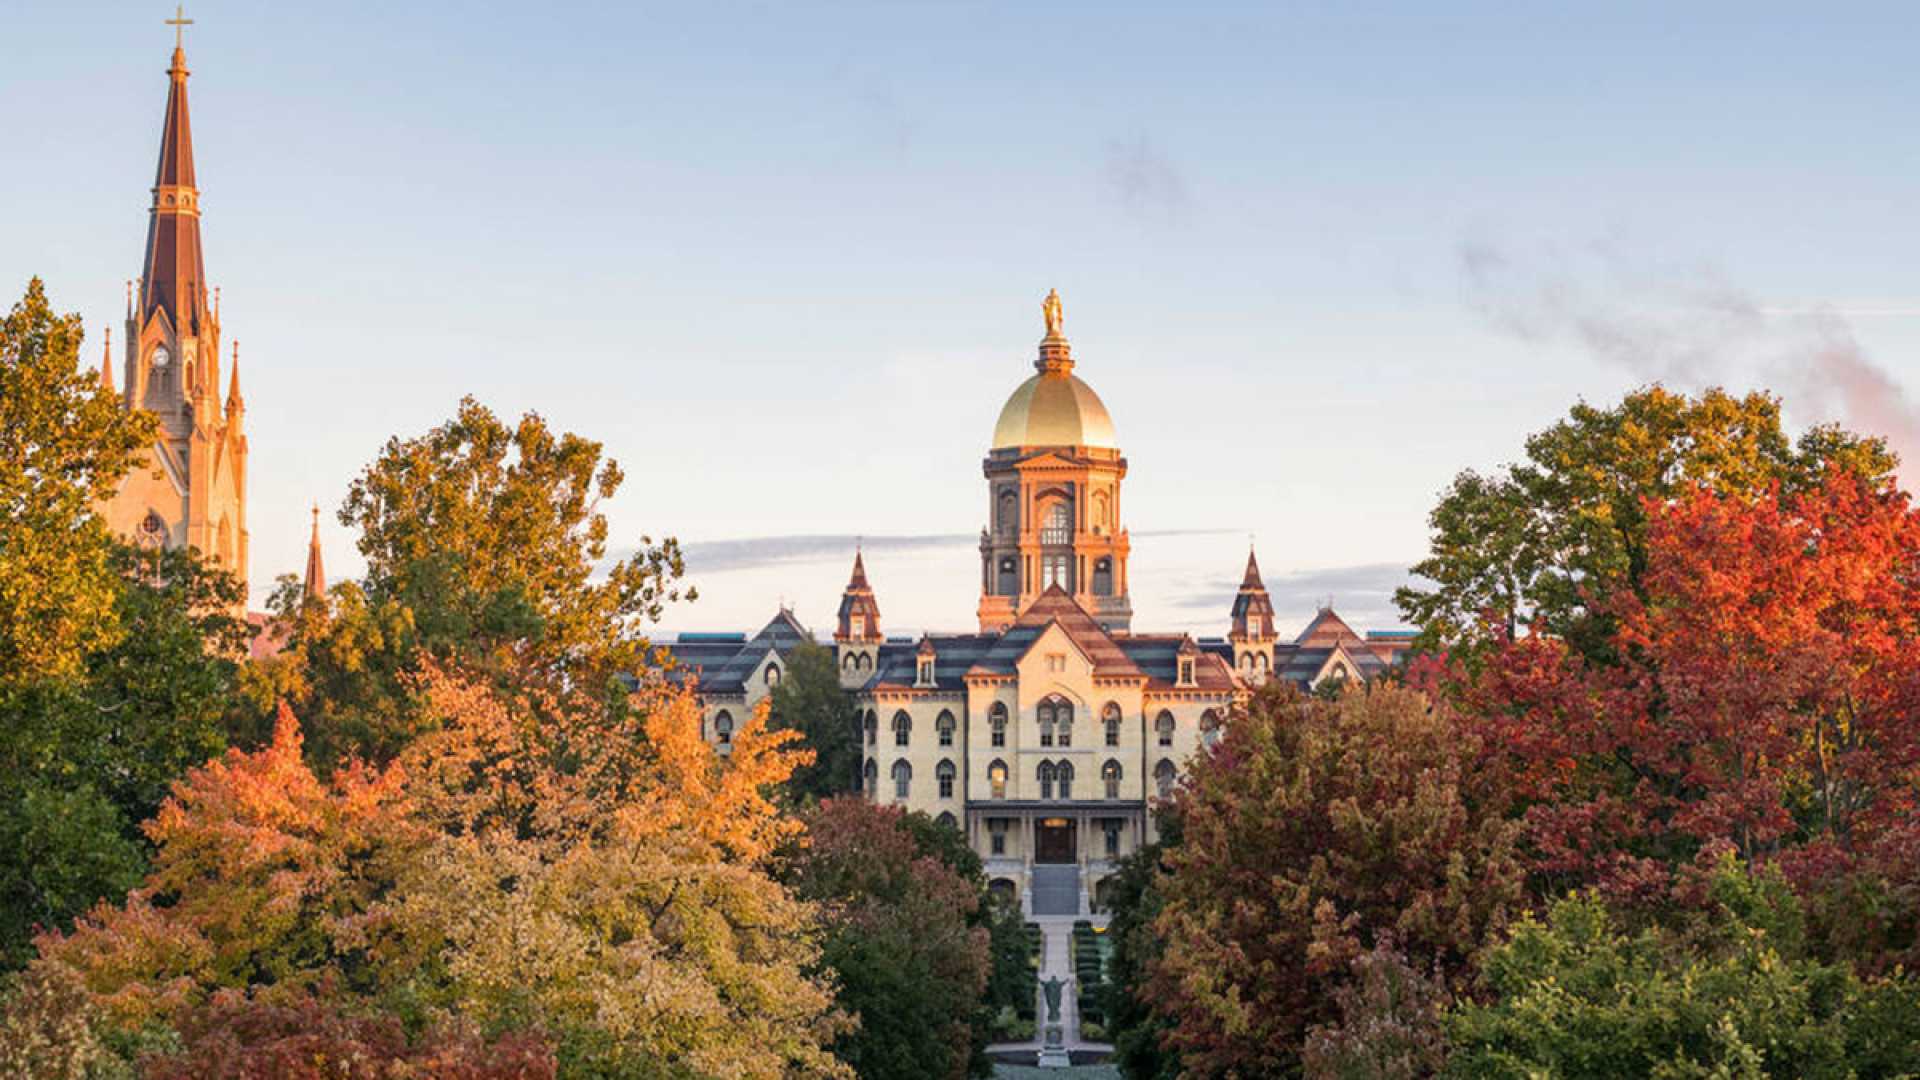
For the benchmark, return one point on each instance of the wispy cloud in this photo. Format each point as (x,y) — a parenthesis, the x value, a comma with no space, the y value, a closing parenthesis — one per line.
(1362,594)
(1689,327)
(1145,179)
(706,557)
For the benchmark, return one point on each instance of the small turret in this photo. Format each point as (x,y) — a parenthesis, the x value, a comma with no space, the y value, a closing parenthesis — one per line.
(1252,632)
(857,639)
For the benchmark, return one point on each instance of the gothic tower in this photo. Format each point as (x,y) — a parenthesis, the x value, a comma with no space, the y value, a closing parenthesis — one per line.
(192,489)
(1053,496)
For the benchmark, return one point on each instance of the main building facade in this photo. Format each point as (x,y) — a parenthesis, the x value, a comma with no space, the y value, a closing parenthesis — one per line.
(1045,734)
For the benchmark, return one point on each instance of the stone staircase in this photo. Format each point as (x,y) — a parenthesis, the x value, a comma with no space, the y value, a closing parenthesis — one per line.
(1055,890)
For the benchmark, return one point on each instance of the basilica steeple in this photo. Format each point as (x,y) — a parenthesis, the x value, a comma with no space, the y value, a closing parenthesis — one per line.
(173,279)
(192,491)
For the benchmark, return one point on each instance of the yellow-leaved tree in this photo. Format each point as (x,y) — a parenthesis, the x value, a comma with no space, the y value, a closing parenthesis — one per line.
(596,883)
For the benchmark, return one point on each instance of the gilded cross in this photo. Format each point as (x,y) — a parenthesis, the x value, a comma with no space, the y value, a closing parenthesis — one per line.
(179,22)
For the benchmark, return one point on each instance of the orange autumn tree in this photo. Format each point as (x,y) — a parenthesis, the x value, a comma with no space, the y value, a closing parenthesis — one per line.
(594,879)
(1764,698)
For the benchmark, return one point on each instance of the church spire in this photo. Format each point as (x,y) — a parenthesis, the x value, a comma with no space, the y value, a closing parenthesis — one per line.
(1252,578)
(314,587)
(106,361)
(174,278)
(235,403)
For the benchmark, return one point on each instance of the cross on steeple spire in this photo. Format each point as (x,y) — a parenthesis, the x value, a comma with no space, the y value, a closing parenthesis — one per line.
(179,22)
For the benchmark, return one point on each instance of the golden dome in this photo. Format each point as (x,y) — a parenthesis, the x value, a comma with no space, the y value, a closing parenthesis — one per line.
(1054,409)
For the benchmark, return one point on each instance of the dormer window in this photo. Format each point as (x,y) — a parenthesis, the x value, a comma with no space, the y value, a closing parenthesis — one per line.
(1186,672)
(926,671)
(773,675)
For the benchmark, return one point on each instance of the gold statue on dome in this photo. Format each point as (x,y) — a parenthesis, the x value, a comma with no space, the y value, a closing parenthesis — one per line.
(1050,308)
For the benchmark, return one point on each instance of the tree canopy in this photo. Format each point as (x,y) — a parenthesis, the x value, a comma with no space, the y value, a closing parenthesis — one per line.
(1530,545)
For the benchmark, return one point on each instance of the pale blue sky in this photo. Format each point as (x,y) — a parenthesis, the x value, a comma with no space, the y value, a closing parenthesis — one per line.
(786,260)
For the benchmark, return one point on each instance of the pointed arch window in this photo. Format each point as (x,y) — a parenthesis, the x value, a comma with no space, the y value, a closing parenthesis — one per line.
(1045,776)
(947,820)
(1163,727)
(1209,728)
(902,728)
(1163,775)
(944,726)
(997,779)
(873,728)
(902,779)
(723,728)
(1065,777)
(773,675)
(1110,778)
(870,777)
(1110,720)
(997,723)
(945,774)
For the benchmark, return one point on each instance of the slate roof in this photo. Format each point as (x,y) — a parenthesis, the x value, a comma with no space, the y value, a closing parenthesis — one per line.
(723,665)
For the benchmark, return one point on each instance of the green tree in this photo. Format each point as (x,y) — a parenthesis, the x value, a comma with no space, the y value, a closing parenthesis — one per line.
(1135,902)
(1531,545)
(65,443)
(901,940)
(1728,993)
(809,700)
(486,546)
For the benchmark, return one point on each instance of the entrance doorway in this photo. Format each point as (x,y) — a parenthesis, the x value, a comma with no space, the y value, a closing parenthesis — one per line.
(1053,841)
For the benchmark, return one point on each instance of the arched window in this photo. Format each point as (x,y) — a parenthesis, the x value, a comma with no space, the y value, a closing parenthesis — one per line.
(1062,722)
(873,727)
(997,779)
(1099,511)
(997,722)
(1209,728)
(1045,713)
(947,820)
(944,726)
(1046,779)
(945,774)
(1110,776)
(1110,719)
(902,779)
(1057,527)
(866,662)
(1103,577)
(902,728)
(850,662)
(723,727)
(1163,727)
(1163,777)
(1246,663)
(1261,659)
(773,675)
(1009,512)
(1065,776)
(870,777)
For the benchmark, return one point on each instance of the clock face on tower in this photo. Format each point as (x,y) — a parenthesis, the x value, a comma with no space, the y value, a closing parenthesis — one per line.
(160,358)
